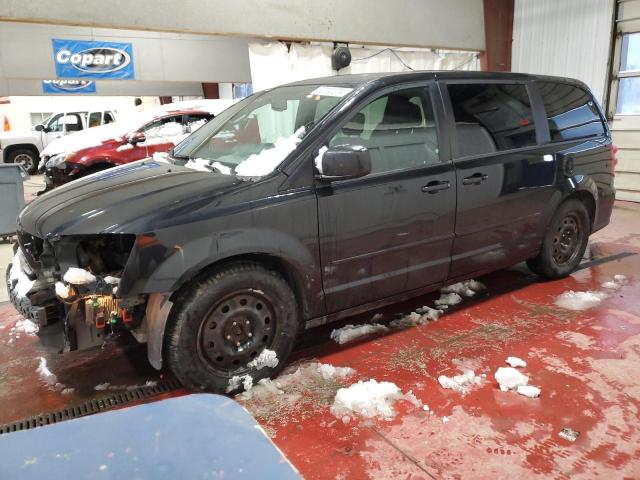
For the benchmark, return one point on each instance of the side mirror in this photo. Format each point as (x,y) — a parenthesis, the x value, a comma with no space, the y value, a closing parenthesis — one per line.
(136,138)
(40,128)
(342,162)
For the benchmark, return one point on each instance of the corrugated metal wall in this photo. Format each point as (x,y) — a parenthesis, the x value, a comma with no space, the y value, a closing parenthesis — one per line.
(568,38)
(625,128)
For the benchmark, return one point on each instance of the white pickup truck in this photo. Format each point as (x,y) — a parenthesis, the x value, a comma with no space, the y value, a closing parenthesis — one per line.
(25,146)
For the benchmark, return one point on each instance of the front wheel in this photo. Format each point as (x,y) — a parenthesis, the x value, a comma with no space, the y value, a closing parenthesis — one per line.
(27,158)
(564,242)
(221,323)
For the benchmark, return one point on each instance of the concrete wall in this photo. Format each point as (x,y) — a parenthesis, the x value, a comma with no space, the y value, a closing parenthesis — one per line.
(568,38)
(456,24)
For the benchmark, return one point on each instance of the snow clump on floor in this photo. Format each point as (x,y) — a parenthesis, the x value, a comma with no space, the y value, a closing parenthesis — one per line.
(510,379)
(617,282)
(468,288)
(370,399)
(460,383)
(516,362)
(580,300)
(420,316)
(528,391)
(267,358)
(349,333)
(234,383)
(448,299)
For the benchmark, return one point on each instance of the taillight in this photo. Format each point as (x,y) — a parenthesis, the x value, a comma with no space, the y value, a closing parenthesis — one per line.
(614,158)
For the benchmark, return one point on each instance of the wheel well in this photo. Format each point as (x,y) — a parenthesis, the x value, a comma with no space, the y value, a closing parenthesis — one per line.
(588,201)
(21,146)
(270,262)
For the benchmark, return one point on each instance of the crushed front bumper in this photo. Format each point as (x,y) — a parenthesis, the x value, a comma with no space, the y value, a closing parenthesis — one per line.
(39,304)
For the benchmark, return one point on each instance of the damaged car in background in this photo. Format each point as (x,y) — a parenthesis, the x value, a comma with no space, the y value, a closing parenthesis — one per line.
(311,202)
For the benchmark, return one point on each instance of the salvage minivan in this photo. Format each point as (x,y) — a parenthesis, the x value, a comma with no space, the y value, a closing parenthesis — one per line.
(311,202)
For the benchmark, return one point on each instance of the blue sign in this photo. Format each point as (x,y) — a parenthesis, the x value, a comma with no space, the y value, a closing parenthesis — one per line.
(84,59)
(68,87)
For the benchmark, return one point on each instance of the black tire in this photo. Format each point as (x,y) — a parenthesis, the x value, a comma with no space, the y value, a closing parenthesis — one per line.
(209,320)
(25,156)
(564,242)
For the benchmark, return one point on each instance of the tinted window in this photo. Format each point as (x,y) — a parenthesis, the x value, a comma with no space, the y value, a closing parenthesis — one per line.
(398,129)
(491,117)
(108,118)
(571,112)
(95,119)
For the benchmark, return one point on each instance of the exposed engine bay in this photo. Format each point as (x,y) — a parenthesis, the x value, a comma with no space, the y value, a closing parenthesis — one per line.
(75,280)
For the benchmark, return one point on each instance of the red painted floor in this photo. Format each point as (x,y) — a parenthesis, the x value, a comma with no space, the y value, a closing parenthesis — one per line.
(586,363)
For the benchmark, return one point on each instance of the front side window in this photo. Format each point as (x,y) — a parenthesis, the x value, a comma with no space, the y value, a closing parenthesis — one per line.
(571,112)
(491,117)
(164,127)
(94,119)
(254,136)
(398,129)
(56,124)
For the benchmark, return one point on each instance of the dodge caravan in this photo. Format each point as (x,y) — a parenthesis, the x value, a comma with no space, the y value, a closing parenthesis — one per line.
(313,201)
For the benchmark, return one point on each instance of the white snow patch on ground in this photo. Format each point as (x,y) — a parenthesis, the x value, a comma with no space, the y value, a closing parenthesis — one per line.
(460,383)
(611,285)
(307,374)
(528,391)
(420,316)
(245,380)
(509,378)
(263,163)
(78,276)
(468,288)
(370,399)
(267,358)
(618,281)
(579,300)
(448,299)
(349,333)
(46,375)
(26,326)
(516,362)
(620,278)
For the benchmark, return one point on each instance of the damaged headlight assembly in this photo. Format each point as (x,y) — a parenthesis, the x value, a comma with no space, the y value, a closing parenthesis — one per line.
(58,161)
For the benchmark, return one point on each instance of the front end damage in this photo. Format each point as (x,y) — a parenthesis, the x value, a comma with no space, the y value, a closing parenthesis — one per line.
(74,281)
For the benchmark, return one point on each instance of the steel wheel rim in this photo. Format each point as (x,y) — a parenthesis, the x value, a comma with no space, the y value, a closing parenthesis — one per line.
(566,240)
(24,159)
(235,330)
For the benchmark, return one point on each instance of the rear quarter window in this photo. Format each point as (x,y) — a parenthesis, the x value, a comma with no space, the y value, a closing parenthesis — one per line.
(491,117)
(571,112)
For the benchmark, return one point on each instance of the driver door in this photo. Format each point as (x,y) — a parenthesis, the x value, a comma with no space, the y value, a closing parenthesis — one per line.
(55,129)
(391,231)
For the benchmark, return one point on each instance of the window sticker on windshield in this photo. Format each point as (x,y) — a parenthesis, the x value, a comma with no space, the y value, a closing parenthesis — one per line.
(331,91)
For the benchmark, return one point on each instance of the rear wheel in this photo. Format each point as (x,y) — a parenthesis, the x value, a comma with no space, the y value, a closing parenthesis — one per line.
(221,323)
(26,157)
(564,242)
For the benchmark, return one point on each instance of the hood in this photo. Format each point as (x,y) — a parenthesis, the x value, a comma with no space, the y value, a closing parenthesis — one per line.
(139,197)
(17,135)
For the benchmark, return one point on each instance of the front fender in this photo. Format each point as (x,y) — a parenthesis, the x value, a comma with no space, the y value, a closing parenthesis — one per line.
(164,262)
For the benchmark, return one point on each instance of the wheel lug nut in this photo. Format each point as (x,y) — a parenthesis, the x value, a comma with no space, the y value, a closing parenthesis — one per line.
(237,344)
(235,323)
(247,322)
(249,334)
(228,337)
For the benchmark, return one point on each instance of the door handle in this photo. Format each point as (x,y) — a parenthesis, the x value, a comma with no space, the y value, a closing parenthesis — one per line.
(475,179)
(436,186)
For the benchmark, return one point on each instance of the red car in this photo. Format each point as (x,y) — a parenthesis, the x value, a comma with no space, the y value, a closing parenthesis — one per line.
(135,138)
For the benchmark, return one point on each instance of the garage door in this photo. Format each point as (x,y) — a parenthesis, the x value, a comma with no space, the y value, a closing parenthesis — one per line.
(624,104)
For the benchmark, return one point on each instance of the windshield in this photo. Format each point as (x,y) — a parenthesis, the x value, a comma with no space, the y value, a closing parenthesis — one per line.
(252,138)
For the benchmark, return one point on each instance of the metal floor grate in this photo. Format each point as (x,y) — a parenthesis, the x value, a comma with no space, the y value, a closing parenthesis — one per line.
(91,406)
